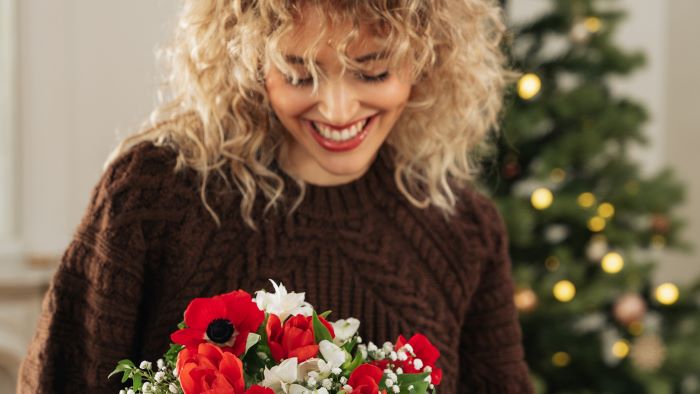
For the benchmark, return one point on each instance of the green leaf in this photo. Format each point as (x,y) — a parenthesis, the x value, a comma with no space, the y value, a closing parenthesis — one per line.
(137,381)
(350,365)
(320,331)
(417,380)
(325,314)
(251,341)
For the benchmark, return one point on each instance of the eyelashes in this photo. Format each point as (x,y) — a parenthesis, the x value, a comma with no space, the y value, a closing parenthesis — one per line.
(362,77)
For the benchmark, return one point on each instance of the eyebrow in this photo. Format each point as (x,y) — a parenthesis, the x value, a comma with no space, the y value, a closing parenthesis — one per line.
(293,59)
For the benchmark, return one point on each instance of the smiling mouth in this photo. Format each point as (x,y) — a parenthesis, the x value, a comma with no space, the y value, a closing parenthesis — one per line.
(344,134)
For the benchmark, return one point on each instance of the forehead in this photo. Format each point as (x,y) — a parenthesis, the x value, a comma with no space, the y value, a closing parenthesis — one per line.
(313,27)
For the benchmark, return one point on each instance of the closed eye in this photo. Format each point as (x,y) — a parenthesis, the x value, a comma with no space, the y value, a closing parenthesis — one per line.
(363,77)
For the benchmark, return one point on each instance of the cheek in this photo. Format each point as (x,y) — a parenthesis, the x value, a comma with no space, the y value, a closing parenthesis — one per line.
(286,100)
(392,95)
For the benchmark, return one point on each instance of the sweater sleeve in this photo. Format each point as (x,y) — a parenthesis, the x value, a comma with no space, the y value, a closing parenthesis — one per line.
(90,314)
(491,351)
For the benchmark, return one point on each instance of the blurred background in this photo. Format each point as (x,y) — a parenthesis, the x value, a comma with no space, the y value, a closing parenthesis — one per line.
(77,75)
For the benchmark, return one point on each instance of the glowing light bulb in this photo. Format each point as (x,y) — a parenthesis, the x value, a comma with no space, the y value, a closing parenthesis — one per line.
(592,24)
(541,198)
(586,200)
(667,293)
(529,85)
(612,263)
(606,210)
(557,175)
(561,359)
(620,348)
(596,224)
(564,291)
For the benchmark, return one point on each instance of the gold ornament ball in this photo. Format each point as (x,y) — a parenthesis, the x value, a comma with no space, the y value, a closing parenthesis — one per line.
(629,308)
(648,352)
(586,200)
(525,300)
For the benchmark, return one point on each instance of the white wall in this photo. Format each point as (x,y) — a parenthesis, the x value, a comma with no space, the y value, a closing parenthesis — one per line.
(682,131)
(87,69)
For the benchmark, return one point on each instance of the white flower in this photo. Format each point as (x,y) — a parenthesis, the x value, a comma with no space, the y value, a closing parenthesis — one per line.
(344,330)
(281,376)
(130,391)
(161,364)
(418,363)
(159,376)
(173,388)
(122,391)
(333,354)
(282,303)
(145,365)
(327,383)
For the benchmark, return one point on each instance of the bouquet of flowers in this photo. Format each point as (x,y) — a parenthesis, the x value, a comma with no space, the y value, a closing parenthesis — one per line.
(277,343)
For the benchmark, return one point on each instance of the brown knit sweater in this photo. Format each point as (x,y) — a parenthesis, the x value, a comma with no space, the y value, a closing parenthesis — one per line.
(147,246)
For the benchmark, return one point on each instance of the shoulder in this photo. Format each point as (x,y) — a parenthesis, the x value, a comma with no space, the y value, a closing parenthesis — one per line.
(481,218)
(138,184)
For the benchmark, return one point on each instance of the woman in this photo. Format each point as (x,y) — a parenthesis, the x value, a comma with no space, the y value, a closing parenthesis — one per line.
(370,111)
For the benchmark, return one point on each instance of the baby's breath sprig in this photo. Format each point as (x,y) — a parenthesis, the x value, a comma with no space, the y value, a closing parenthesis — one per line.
(147,380)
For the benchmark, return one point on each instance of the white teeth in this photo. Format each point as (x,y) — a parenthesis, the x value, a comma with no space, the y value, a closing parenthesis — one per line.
(341,135)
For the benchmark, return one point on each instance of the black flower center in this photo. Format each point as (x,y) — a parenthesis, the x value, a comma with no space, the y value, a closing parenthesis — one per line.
(220,330)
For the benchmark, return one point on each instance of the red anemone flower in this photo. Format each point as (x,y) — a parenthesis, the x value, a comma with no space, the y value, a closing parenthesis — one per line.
(224,320)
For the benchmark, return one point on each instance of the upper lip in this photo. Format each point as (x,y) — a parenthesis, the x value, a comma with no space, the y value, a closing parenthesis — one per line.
(343,126)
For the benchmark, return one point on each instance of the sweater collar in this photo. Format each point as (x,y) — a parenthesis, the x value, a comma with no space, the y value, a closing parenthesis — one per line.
(360,195)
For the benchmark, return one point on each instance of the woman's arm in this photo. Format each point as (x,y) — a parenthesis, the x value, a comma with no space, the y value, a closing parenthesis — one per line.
(491,352)
(90,314)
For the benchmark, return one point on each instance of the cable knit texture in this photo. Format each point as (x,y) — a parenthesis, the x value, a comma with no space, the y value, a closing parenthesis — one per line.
(147,246)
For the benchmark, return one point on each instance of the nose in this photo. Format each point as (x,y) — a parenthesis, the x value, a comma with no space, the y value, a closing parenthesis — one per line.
(338,102)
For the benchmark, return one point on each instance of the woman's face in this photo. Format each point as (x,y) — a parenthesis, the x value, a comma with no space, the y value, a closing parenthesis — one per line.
(338,131)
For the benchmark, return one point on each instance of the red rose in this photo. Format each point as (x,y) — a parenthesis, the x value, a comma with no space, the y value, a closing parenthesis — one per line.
(294,339)
(425,351)
(365,380)
(255,389)
(224,320)
(208,369)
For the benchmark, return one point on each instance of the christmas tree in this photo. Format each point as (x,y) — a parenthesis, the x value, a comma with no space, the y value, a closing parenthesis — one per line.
(586,227)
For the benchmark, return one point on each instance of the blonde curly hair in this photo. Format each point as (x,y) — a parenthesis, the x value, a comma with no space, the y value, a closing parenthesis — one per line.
(218,115)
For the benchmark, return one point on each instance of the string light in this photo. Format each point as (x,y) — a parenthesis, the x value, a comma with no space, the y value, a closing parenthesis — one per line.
(552,263)
(586,200)
(528,86)
(606,210)
(596,224)
(667,293)
(557,175)
(542,198)
(592,24)
(612,263)
(561,359)
(658,241)
(564,291)
(620,348)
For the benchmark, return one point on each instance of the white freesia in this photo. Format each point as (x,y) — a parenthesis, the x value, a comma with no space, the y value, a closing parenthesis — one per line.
(344,329)
(281,376)
(299,389)
(333,354)
(282,303)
